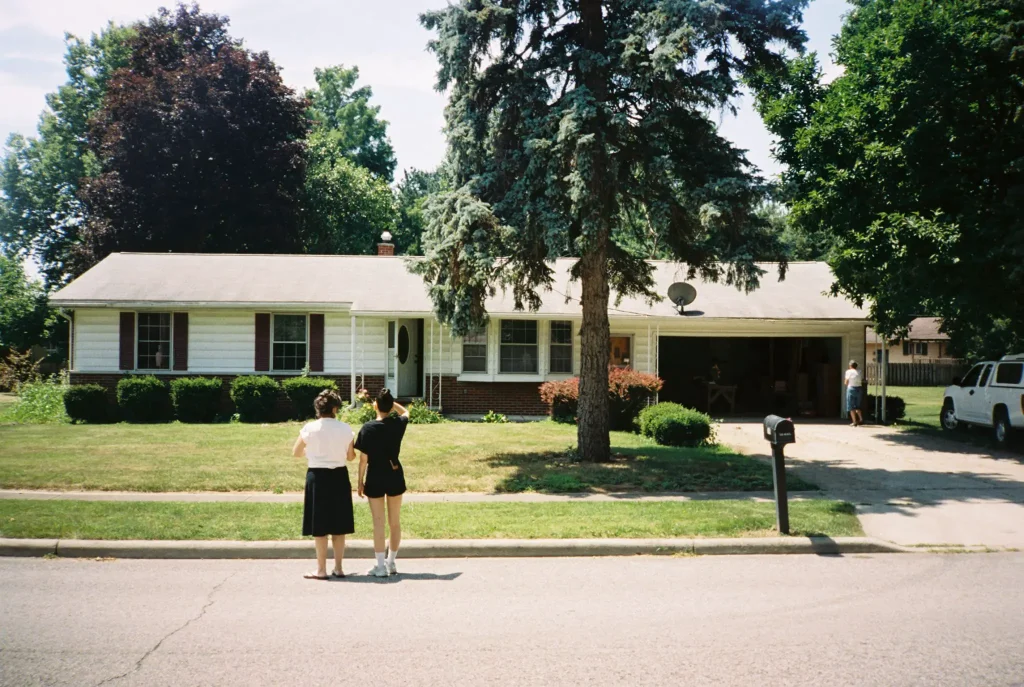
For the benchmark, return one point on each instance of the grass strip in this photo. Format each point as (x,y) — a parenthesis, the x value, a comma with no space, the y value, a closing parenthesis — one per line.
(270,521)
(449,457)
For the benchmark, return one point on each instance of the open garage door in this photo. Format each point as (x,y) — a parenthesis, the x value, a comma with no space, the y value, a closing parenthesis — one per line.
(753,375)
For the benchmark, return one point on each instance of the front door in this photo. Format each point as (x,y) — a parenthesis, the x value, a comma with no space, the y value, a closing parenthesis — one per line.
(407,357)
(620,353)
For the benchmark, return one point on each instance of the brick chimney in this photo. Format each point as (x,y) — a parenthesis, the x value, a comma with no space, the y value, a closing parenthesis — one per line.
(385,247)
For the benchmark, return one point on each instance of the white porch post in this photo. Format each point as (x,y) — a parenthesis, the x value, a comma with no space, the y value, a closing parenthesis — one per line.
(430,368)
(352,363)
(440,354)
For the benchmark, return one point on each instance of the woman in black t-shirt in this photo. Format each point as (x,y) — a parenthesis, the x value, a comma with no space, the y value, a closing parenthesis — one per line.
(381,476)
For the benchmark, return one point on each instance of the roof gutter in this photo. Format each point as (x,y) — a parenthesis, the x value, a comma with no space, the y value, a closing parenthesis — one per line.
(335,306)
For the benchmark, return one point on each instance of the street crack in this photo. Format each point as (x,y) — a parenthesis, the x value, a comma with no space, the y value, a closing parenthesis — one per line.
(196,617)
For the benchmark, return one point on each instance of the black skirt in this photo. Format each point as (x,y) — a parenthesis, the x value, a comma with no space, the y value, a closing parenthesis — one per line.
(328,504)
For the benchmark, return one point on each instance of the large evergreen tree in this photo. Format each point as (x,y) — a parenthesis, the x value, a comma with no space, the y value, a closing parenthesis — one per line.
(200,146)
(911,164)
(568,117)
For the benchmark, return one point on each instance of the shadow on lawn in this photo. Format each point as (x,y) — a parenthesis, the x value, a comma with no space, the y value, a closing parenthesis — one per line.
(646,469)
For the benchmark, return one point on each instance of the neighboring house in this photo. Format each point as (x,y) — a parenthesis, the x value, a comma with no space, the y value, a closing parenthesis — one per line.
(924,344)
(366,321)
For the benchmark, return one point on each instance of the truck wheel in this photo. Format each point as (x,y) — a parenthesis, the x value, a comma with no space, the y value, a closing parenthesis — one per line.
(948,417)
(1001,426)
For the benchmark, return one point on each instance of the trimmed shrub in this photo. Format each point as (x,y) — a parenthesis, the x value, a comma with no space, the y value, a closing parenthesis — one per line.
(255,398)
(196,399)
(562,396)
(671,424)
(421,414)
(629,392)
(39,403)
(895,408)
(144,399)
(302,391)
(88,403)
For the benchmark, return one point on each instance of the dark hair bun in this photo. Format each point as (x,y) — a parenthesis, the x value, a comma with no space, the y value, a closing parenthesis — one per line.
(385,401)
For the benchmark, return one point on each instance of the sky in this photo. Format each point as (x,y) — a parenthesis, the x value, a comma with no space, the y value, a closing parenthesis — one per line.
(382,37)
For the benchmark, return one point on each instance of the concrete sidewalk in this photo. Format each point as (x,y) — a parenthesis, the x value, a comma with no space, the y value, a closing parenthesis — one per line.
(450,548)
(908,487)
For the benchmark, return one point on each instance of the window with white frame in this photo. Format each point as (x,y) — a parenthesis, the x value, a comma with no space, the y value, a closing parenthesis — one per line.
(474,351)
(153,343)
(561,347)
(518,347)
(289,342)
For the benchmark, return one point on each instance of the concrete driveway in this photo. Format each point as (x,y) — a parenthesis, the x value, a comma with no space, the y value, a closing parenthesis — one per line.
(909,488)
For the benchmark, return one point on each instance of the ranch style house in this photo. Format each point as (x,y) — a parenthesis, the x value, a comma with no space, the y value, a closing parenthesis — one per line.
(367,322)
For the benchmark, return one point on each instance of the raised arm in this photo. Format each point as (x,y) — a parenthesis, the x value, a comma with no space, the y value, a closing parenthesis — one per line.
(400,409)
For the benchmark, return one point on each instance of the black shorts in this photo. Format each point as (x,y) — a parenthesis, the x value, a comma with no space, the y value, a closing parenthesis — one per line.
(384,480)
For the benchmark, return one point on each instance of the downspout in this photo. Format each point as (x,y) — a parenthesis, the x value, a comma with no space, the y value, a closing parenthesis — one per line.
(885,369)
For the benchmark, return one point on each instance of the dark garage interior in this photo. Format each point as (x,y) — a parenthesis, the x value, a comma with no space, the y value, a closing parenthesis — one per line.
(788,376)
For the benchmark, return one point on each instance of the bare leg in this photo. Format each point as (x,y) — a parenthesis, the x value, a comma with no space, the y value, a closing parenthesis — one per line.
(860,417)
(377,513)
(321,558)
(395,521)
(338,540)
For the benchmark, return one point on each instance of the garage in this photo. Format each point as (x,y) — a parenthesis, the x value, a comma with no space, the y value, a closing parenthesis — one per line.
(737,376)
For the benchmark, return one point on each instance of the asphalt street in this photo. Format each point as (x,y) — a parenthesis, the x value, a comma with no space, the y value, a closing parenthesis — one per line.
(724,620)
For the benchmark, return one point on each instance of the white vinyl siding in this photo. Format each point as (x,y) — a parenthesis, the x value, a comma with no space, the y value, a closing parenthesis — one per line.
(221,341)
(97,340)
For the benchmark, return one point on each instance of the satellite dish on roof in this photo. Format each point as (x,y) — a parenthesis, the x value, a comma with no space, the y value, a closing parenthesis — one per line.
(682,294)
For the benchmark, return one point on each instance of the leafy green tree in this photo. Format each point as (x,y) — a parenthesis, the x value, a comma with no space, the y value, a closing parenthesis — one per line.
(911,163)
(340,110)
(40,212)
(564,116)
(200,146)
(410,195)
(25,317)
(346,207)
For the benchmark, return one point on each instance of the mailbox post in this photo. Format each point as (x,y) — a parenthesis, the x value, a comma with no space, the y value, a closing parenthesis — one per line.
(778,431)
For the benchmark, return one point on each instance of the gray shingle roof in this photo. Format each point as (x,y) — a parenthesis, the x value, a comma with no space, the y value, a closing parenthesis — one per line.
(921,329)
(375,284)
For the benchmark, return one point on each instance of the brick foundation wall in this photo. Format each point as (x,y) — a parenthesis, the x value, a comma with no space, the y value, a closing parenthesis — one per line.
(476,398)
(372,383)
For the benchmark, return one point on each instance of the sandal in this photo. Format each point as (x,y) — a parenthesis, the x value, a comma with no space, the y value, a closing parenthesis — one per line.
(337,575)
(315,576)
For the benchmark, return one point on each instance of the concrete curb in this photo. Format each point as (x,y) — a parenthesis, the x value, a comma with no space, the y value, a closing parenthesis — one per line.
(450,548)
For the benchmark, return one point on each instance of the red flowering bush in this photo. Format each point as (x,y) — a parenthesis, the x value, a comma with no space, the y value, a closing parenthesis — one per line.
(629,392)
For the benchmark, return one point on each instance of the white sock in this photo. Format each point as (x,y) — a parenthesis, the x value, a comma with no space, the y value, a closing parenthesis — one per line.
(391,556)
(380,558)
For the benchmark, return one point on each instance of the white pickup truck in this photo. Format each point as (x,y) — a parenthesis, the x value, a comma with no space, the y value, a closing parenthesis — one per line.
(991,394)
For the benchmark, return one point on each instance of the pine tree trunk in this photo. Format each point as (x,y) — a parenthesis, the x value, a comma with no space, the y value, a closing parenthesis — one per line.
(592,412)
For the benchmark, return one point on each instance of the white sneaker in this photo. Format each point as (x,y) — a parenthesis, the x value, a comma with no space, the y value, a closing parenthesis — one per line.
(378,571)
(392,568)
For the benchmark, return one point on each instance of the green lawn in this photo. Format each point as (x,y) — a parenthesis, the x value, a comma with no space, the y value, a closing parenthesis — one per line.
(446,457)
(264,521)
(7,398)
(923,403)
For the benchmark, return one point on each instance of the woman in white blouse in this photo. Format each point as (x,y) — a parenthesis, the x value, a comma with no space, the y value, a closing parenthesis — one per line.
(327,511)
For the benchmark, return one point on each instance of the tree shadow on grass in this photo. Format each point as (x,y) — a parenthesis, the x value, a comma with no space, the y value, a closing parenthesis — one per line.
(639,469)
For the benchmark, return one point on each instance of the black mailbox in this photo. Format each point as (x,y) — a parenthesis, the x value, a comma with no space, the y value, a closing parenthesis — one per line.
(778,431)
